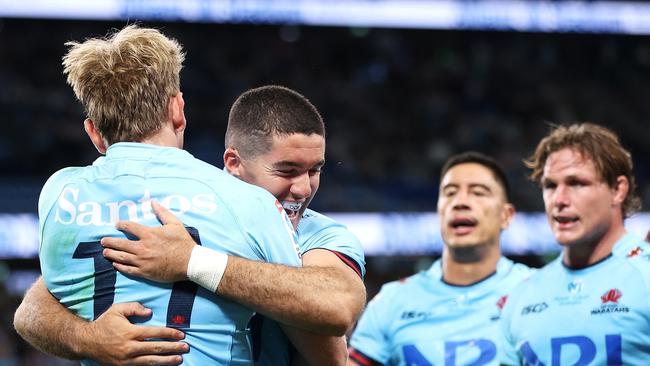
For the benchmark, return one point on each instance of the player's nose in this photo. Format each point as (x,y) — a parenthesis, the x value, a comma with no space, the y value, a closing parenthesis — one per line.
(300,186)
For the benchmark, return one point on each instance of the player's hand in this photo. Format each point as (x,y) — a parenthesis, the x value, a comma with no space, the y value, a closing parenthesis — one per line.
(113,340)
(647,237)
(161,254)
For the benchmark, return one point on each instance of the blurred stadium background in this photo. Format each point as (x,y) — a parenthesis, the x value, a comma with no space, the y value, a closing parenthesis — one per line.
(401,85)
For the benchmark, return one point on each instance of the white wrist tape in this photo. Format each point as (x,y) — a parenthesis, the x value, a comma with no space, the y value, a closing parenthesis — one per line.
(206,267)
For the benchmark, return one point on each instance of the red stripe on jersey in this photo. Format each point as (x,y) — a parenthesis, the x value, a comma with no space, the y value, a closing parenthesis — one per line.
(356,266)
(350,262)
(361,359)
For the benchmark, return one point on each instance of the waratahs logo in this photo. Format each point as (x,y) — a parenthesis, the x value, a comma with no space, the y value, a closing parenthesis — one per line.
(610,303)
(611,296)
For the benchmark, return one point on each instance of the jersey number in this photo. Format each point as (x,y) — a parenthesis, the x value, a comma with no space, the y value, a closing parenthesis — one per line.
(181,301)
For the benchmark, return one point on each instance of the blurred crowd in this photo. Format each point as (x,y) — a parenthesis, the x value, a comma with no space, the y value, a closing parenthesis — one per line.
(396,102)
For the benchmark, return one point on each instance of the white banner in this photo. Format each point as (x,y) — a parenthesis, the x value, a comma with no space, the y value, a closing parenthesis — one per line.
(379,233)
(628,17)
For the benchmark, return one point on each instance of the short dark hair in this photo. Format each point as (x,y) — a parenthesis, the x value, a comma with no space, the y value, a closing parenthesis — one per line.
(260,113)
(594,142)
(481,159)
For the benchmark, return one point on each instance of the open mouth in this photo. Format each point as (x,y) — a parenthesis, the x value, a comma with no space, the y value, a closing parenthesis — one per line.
(292,208)
(565,220)
(463,225)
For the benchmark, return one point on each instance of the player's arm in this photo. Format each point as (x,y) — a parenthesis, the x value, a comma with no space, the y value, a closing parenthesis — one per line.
(324,300)
(316,349)
(111,339)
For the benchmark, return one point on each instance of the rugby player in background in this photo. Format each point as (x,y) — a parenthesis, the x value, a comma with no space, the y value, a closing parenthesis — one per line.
(590,306)
(267,145)
(448,315)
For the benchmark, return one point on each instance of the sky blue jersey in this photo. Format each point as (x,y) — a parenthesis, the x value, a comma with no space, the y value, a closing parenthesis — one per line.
(631,246)
(315,231)
(423,321)
(78,206)
(599,315)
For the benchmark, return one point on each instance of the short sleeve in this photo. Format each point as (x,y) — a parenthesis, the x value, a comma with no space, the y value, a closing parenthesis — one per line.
(337,238)
(370,336)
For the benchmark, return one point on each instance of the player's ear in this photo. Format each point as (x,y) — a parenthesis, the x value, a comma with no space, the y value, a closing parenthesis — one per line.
(95,136)
(232,161)
(621,189)
(508,215)
(176,110)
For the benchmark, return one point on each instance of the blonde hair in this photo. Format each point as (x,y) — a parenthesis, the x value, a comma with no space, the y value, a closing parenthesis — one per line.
(594,142)
(125,80)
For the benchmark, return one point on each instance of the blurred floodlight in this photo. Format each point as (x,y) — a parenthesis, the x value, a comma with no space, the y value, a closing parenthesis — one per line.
(626,17)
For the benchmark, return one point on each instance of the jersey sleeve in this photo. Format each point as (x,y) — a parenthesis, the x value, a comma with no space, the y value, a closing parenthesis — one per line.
(50,193)
(370,340)
(269,231)
(338,239)
(508,351)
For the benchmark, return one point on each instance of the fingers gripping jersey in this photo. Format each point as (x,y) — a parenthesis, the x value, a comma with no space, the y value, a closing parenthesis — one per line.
(79,206)
(315,231)
(599,315)
(422,321)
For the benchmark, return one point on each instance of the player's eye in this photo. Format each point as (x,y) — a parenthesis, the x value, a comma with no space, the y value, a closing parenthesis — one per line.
(449,192)
(549,185)
(286,173)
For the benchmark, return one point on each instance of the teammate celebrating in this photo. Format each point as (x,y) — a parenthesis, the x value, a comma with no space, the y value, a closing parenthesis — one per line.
(590,306)
(129,86)
(448,315)
(275,139)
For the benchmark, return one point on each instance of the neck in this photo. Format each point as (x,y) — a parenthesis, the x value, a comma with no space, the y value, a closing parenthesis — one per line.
(593,250)
(465,266)
(165,137)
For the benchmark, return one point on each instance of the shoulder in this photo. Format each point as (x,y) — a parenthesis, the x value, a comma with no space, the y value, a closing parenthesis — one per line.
(62,177)
(631,246)
(56,183)
(520,271)
(640,265)
(313,221)
(317,230)
(532,279)
(242,198)
(389,291)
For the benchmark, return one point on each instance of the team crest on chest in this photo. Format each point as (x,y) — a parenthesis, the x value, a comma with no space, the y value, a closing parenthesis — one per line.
(610,303)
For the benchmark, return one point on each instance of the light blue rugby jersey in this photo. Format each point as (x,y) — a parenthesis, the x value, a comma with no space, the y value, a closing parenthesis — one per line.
(599,315)
(79,206)
(631,246)
(315,231)
(422,321)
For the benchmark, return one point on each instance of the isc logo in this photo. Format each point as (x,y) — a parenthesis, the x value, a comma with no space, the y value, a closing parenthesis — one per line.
(582,346)
(487,352)
(535,308)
